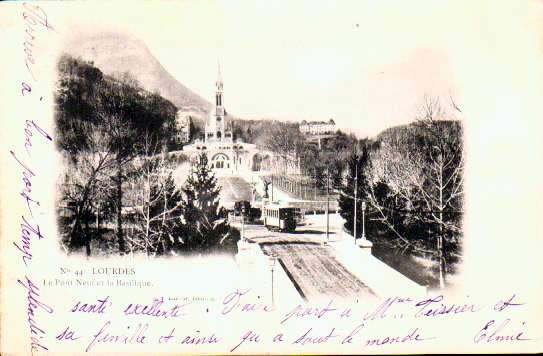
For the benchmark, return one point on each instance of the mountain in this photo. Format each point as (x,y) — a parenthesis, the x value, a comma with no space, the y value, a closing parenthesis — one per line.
(117,53)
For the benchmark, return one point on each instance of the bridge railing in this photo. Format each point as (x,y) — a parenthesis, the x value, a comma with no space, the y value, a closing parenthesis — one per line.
(299,187)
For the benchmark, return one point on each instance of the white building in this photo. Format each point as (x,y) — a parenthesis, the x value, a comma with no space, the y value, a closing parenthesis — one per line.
(317,127)
(183,120)
(225,155)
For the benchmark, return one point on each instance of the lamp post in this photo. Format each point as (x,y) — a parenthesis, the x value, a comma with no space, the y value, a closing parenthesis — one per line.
(315,183)
(355,198)
(243,223)
(272,259)
(272,187)
(363,220)
(327,204)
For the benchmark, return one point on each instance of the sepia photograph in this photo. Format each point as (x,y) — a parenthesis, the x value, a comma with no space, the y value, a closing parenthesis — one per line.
(151,167)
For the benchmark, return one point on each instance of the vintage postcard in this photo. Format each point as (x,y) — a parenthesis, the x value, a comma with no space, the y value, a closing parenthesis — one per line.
(271,177)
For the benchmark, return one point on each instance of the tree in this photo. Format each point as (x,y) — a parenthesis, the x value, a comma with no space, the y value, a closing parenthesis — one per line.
(85,179)
(417,183)
(204,225)
(286,141)
(126,112)
(354,190)
(441,191)
(80,136)
(156,200)
(99,121)
(117,106)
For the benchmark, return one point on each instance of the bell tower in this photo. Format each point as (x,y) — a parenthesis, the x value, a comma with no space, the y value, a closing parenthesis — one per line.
(219,107)
(216,129)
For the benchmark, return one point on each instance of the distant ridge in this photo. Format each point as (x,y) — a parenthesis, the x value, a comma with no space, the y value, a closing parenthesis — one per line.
(116,53)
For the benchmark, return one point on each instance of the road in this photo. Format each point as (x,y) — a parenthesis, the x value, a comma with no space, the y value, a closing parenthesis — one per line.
(311,265)
(316,273)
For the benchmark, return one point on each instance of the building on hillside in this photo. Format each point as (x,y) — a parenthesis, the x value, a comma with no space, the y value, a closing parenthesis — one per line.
(183,121)
(225,155)
(317,127)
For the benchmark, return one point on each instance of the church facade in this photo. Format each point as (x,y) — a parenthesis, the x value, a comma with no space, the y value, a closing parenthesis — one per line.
(226,156)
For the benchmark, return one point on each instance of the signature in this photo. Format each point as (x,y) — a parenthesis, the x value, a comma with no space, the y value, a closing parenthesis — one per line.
(494,332)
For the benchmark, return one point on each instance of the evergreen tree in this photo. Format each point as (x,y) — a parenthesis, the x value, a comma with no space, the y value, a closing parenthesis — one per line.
(204,224)
(356,177)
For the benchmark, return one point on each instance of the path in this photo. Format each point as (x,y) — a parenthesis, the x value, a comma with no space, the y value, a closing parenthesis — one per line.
(310,265)
(316,273)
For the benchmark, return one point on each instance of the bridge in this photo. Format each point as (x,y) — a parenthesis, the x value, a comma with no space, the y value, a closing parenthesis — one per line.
(312,265)
(314,268)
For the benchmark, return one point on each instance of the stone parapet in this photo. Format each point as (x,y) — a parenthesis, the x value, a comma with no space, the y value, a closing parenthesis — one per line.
(382,279)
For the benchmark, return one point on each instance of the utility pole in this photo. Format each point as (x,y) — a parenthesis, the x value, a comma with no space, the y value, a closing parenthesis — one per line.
(243,225)
(327,204)
(355,197)
(272,188)
(364,220)
(272,260)
(315,183)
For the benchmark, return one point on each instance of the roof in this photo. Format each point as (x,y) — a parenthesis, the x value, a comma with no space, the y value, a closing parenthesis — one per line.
(330,122)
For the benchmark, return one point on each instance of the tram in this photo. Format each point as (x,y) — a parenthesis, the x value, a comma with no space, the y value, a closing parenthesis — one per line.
(277,217)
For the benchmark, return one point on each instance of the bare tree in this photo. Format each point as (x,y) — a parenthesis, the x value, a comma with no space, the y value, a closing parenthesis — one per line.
(86,174)
(442,163)
(417,178)
(100,121)
(285,141)
(156,200)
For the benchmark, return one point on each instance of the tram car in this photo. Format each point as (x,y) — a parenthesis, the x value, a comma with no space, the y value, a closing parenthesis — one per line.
(277,217)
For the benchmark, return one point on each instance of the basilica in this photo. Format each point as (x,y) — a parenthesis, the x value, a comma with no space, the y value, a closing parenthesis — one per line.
(225,154)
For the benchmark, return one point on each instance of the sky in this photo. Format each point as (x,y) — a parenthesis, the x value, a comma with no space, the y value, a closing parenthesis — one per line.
(367,65)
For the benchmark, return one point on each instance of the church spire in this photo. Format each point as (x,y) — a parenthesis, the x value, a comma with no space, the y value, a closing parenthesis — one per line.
(219,88)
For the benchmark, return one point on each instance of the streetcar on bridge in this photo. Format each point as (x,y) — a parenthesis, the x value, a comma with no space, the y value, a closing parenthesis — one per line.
(279,217)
